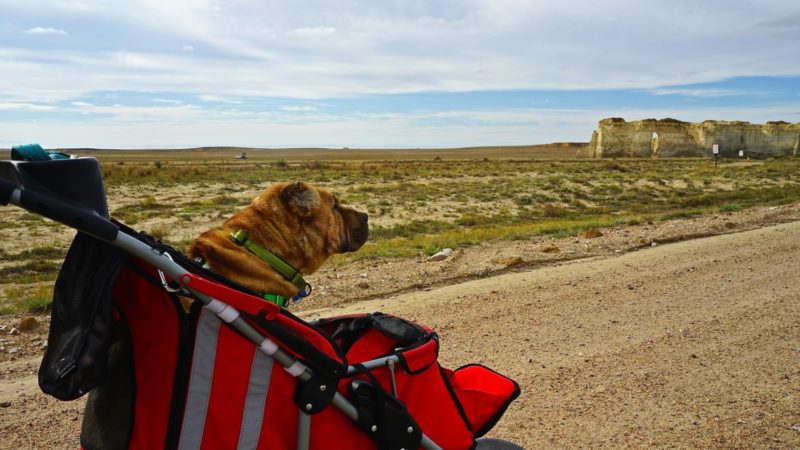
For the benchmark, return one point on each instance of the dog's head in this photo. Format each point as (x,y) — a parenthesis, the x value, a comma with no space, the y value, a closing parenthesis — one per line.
(299,222)
(318,211)
(303,222)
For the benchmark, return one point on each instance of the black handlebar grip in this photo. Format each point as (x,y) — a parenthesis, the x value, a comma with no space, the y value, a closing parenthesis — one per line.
(6,189)
(81,219)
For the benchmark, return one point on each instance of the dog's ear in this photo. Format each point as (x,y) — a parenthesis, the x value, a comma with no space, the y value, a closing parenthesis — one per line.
(300,198)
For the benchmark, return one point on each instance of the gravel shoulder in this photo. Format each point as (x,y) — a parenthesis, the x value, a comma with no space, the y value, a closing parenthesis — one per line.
(616,342)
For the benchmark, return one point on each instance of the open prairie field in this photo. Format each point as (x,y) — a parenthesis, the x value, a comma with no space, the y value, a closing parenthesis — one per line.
(417,205)
(542,151)
(584,280)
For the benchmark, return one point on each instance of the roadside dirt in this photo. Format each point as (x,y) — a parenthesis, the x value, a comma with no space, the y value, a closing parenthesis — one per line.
(689,344)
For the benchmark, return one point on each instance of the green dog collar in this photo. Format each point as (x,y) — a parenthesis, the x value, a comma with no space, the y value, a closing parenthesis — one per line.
(239,237)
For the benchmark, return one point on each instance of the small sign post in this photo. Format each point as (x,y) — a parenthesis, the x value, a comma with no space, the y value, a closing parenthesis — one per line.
(715,151)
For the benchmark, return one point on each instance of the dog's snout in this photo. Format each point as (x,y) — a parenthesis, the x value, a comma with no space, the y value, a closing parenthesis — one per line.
(357,230)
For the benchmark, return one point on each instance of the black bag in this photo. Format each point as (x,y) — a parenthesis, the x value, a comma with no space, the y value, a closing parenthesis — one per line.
(76,359)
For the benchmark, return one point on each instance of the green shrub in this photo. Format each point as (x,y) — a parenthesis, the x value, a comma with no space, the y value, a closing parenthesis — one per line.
(28,298)
(730,207)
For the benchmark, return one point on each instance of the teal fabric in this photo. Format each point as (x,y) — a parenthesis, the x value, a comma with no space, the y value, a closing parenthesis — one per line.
(35,152)
(52,154)
(29,152)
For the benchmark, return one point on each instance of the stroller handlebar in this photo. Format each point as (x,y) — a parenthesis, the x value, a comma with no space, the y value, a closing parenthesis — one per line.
(69,191)
(63,212)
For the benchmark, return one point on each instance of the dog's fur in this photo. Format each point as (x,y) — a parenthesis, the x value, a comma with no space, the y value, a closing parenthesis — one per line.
(299,222)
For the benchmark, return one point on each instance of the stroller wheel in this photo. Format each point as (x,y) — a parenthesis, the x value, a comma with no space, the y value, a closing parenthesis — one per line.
(496,444)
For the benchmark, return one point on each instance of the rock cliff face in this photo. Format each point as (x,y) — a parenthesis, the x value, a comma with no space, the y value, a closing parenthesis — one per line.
(670,137)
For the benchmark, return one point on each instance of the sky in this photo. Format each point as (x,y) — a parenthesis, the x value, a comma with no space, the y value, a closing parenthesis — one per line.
(384,74)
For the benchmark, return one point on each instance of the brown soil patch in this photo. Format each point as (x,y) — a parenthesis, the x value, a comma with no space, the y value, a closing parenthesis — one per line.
(591,233)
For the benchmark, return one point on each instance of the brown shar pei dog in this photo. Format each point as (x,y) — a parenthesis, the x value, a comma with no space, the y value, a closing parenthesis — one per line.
(300,223)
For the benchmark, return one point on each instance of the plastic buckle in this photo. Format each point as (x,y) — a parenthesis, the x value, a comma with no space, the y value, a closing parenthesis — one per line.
(304,292)
(239,237)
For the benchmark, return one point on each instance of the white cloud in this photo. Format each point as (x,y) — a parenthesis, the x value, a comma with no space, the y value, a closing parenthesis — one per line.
(217,99)
(45,30)
(703,92)
(314,31)
(168,101)
(316,49)
(17,106)
(299,108)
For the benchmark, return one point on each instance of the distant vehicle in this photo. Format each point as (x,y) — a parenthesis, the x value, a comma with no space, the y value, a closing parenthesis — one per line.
(242,156)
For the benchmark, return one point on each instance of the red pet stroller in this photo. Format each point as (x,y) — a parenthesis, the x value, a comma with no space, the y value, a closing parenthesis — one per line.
(231,371)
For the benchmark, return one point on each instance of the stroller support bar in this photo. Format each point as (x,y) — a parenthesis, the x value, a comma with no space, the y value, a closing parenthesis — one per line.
(223,310)
(63,212)
(234,298)
(296,369)
(374,363)
(269,347)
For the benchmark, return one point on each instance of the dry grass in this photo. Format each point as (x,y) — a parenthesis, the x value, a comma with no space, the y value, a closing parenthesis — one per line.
(544,151)
(418,200)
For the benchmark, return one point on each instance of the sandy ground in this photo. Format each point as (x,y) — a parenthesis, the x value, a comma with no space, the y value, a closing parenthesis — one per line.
(693,344)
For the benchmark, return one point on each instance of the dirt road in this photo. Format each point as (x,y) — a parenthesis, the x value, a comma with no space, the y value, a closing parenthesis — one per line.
(694,344)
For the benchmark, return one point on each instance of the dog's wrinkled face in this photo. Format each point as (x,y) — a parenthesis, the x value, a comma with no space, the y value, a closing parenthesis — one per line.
(313,219)
(299,222)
